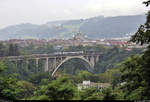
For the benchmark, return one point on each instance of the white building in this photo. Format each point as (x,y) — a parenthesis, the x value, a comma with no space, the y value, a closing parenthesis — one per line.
(89,84)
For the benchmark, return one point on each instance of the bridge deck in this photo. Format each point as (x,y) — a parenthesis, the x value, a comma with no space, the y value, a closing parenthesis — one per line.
(51,55)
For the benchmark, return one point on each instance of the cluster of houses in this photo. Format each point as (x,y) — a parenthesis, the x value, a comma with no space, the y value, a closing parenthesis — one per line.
(77,39)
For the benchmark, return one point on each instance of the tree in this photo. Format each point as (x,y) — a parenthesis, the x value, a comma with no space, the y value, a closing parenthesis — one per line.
(10,68)
(90,94)
(147,2)
(36,78)
(109,94)
(8,85)
(1,67)
(2,50)
(84,75)
(135,79)
(16,50)
(136,69)
(9,88)
(13,50)
(142,36)
(60,89)
(27,89)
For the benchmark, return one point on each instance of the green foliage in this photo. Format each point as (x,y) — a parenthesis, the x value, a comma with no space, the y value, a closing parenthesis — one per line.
(60,89)
(3,50)
(142,36)
(113,57)
(86,48)
(38,78)
(89,94)
(135,70)
(109,94)
(32,49)
(27,89)
(137,94)
(9,87)
(84,75)
(10,68)
(47,48)
(136,76)
(73,66)
(1,67)
(110,76)
(13,50)
(25,71)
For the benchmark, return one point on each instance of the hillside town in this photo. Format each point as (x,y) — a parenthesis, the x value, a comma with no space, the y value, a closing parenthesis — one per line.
(76,40)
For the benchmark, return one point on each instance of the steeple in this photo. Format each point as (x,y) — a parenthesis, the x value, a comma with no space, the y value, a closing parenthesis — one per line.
(79,36)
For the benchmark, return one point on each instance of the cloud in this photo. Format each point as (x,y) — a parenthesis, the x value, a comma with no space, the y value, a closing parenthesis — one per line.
(41,11)
(116,7)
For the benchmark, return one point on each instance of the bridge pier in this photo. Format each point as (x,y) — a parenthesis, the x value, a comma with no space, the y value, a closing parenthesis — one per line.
(92,61)
(46,64)
(27,62)
(37,62)
(97,58)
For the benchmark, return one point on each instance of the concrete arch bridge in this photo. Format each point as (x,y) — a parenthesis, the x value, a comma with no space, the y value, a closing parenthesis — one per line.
(53,61)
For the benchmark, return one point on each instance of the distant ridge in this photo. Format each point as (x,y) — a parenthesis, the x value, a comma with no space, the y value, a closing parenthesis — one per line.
(95,28)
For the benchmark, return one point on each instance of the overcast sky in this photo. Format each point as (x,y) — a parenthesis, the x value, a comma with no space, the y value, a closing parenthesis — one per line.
(42,11)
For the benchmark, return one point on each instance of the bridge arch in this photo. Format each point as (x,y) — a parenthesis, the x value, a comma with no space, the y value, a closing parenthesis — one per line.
(73,57)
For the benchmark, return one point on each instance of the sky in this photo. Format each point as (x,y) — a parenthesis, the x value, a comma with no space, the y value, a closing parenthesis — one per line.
(41,11)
